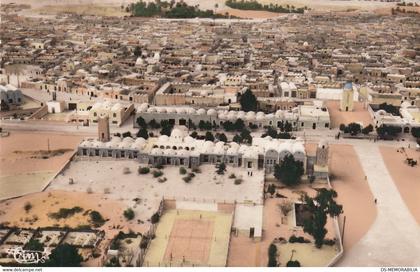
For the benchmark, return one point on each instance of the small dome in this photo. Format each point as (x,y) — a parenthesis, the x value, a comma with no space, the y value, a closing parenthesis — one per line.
(211,112)
(151,110)
(177,133)
(161,110)
(201,111)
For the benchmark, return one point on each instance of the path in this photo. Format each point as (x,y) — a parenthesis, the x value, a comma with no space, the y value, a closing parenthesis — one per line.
(394,238)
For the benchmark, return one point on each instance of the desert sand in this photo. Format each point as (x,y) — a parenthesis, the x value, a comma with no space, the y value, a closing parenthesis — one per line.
(26,166)
(406,178)
(359,114)
(14,161)
(13,213)
(353,193)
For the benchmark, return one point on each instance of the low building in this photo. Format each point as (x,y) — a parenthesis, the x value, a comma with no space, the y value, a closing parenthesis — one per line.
(116,112)
(183,150)
(10,96)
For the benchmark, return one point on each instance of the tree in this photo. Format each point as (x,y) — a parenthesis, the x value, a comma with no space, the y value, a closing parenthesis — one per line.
(248,101)
(129,214)
(153,124)
(166,128)
(368,129)
(385,131)
(319,207)
(237,139)
(221,168)
(342,127)
(194,134)
(34,245)
(137,51)
(96,218)
(222,137)
(289,171)
(272,255)
(270,132)
(64,255)
(126,134)
(271,189)
(288,127)
(143,133)
(246,136)
(141,122)
(209,136)
(293,263)
(155,218)
(354,129)
(415,131)
(239,124)
(113,262)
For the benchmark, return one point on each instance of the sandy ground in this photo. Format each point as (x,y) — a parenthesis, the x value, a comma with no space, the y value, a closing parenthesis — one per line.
(353,193)
(15,163)
(255,14)
(13,213)
(394,237)
(21,168)
(246,252)
(205,187)
(113,7)
(359,114)
(21,184)
(406,178)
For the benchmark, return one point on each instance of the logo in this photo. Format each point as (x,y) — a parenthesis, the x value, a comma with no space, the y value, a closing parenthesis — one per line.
(29,256)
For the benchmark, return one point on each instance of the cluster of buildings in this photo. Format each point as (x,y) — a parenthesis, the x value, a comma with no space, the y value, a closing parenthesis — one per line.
(289,65)
(180,149)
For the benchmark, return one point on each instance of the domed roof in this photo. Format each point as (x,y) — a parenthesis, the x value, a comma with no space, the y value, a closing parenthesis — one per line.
(211,112)
(250,116)
(232,115)
(298,148)
(161,110)
(222,116)
(151,110)
(189,139)
(177,133)
(138,143)
(285,147)
(171,110)
(143,107)
(85,143)
(201,111)
(128,140)
(208,147)
(240,115)
(280,113)
(190,111)
(163,138)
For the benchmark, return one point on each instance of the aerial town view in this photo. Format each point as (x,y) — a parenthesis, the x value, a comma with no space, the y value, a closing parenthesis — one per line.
(210,133)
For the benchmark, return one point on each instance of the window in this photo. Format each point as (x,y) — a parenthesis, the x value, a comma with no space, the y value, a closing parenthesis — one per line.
(114,115)
(95,114)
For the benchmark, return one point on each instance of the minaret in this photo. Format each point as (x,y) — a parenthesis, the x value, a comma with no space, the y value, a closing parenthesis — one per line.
(346,103)
(322,153)
(103,129)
